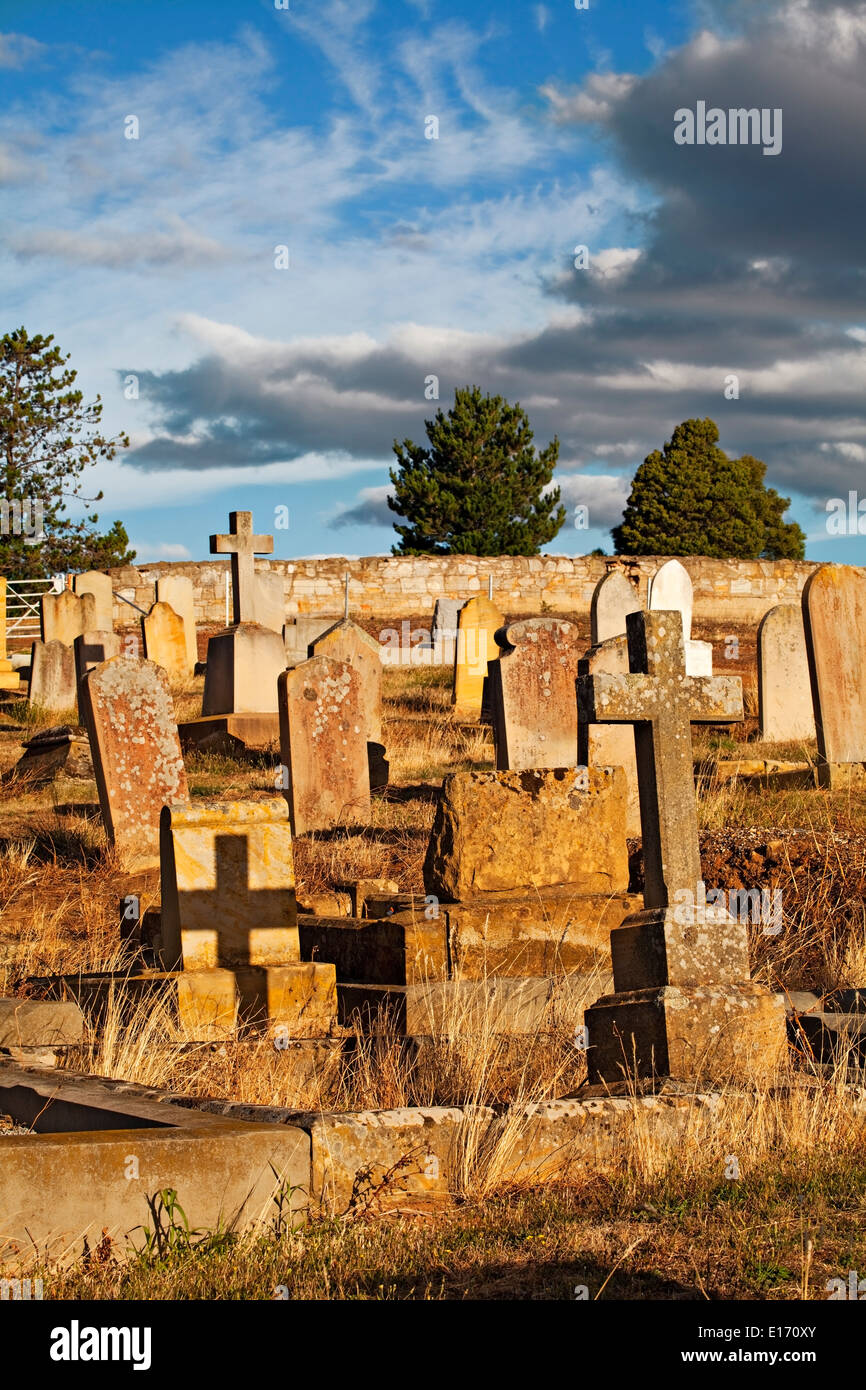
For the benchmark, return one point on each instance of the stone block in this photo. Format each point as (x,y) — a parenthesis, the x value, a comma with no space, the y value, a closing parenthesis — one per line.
(243,666)
(397,950)
(679,945)
(231,734)
(40,1023)
(62,751)
(551,932)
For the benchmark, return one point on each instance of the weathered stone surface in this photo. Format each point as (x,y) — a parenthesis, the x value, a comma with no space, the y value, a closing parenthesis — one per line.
(164,639)
(40,1023)
(784,690)
(62,751)
(708,1032)
(613,598)
(127,710)
(550,932)
(100,586)
(689,944)
(228,885)
(243,666)
(65,616)
(345,641)
(177,591)
(532,694)
(834,618)
(94,647)
(610,745)
(299,634)
(53,682)
(232,734)
(478,622)
(513,831)
(443,633)
(323,745)
(399,949)
(270,601)
(242,545)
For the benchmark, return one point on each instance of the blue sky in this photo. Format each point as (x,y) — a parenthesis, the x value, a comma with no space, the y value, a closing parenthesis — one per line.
(262,387)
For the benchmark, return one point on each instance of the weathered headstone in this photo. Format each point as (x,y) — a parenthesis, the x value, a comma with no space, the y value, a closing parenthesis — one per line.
(177,590)
(784,690)
(671,589)
(164,636)
(53,681)
(614,597)
(271,601)
(298,635)
(324,745)
(477,624)
(611,745)
(92,648)
(532,694)
(9,679)
(127,710)
(99,585)
(684,1004)
(243,664)
(444,630)
(834,618)
(346,641)
(62,751)
(65,616)
(242,545)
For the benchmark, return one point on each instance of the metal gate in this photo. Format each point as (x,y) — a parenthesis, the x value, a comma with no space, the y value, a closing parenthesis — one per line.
(23,597)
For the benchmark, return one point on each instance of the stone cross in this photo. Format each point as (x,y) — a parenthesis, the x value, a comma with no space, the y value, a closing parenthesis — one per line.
(661,700)
(242,545)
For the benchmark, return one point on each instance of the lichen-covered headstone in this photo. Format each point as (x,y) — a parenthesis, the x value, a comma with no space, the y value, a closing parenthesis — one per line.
(323,742)
(533,696)
(346,641)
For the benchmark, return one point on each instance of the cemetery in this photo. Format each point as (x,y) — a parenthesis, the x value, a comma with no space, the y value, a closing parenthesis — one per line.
(300,936)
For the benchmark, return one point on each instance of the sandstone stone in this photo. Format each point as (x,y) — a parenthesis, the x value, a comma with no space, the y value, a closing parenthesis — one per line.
(610,745)
(614,597)
(298,635)
(65,616)
(532,694)
(177,591)
(94,647)
(100,586)
(243,665)
(127,710)
(242,545)
(478,622)
(165,640)
(231,734)
(53,682)
(324,746)
(345,641)
(512,831)
(40,1023)
(270,601)
(62,751)
(399,949)
(784,690)
(834,618)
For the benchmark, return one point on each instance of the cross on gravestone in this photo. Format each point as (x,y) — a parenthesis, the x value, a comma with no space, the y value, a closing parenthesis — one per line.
(661,701)
(236,910)
(242,546)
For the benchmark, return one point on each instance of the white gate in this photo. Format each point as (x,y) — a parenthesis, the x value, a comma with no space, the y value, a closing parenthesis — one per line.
(23,598)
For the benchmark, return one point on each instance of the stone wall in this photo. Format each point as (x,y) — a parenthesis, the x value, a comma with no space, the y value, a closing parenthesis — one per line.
(387,589)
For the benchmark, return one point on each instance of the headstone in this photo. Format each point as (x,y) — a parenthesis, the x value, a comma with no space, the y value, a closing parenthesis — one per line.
(784,690)
(9,679)
(299,634)
(65,616)
(610,745)
(532,694)
(444,631)
(271,600)
(834,618)
(53,682)
(61,751)
(228,885)
(127,710)
(92,648)
(478,622)
(324,745)
(684,1004)
(671,588)
(346,641)
(243,664)
(177,590)
(165,640)
(614,597)
(243,546)
(99,585)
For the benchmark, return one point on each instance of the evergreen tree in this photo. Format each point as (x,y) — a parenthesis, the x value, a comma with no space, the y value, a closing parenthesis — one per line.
(479,489)
(48,436)
(691,499)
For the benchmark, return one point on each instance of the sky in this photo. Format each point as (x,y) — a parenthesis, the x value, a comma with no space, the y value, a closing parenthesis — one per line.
(258,246)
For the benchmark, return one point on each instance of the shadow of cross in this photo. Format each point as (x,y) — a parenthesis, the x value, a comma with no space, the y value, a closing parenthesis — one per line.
(661,701)
(92,654)
(243,546)
(231,908)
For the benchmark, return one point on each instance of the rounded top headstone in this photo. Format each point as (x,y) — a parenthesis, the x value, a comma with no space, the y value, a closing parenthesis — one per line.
(614,597)
(671,588)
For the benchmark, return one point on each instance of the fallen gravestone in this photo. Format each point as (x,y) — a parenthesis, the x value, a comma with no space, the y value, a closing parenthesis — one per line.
(61,751)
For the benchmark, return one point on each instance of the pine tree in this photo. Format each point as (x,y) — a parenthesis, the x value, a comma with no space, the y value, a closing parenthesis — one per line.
(48,436)
(481,488)
(691,499)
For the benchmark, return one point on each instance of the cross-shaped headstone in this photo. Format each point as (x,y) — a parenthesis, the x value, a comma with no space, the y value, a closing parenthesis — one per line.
(242,545)
(661,701)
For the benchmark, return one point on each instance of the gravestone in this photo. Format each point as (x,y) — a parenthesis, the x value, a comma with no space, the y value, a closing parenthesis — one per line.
(99,585)
(164,636)
(834,618)
(300,633)
(92,648)
(611,745)
(784,689)
(323,744)
(671,588)
(229,919)
(684,1004)
(613,598)
(127,709)
(53,681)
(242,545)
(477,624)
(177,590)
(270,601)
(346,641)
(532,694)
(444,631)
(62,751)
(64,616)
(9,679)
